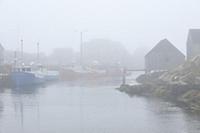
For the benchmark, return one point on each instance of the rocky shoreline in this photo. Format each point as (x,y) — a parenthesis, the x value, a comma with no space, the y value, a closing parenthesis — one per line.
(185,96)
(180,86)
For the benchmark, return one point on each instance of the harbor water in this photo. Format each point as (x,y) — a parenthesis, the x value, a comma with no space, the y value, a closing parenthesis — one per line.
(79,108)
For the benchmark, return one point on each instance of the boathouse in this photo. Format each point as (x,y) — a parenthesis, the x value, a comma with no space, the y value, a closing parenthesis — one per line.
(1,54)
(193,43)
(164,56)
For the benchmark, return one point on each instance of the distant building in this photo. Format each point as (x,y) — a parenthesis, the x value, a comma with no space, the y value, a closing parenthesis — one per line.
(193,43)
(164,56)
(1,54)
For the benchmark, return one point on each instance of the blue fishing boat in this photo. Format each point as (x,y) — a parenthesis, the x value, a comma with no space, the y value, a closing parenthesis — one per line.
(34,74)
(23,76)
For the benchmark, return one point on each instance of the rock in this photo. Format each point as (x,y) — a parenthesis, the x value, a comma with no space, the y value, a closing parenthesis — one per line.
(180,85)
(188,73)
(149,78)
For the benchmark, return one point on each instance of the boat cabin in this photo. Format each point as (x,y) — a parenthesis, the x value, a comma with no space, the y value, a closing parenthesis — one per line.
(22,69)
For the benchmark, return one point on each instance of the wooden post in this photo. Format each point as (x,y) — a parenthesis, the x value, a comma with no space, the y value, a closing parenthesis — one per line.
(124,77)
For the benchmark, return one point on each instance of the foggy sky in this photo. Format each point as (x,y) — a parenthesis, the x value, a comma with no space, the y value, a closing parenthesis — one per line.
(135,23)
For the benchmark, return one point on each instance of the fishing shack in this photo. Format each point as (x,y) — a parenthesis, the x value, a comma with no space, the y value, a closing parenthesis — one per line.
(164,56)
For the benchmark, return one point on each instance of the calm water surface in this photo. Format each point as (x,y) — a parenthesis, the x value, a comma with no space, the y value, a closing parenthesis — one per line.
(64,108)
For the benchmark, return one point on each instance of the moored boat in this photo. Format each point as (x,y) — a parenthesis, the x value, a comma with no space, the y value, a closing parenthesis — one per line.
(22,76)
(48,75)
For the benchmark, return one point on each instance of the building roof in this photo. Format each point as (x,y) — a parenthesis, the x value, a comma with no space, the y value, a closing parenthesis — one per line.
(163,44)
(194,35)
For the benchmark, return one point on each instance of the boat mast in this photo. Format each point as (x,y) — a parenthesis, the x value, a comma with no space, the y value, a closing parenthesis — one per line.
(81,48)
(22,50)
(38,52)
(15,58)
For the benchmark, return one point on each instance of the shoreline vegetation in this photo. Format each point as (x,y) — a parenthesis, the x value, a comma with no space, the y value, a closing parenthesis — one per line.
(180,85)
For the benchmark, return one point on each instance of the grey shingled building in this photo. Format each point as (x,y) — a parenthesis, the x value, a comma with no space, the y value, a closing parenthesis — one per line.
(1,54)
(164,56)
(193,43)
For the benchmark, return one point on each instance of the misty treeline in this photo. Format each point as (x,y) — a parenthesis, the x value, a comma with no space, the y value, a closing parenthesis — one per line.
(101,52)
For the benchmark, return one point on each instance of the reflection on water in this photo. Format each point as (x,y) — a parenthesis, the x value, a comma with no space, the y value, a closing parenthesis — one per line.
(67,107)
(31,90)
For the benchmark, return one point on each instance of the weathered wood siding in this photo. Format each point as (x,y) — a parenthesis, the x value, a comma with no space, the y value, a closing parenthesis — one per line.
(1,54)
(164,56)
(193,43)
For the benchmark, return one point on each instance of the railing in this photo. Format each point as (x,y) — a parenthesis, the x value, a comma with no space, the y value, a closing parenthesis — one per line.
(125,70)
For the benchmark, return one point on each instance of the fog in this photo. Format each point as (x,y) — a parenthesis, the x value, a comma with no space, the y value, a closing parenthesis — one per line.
(99,66)
(57,23)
